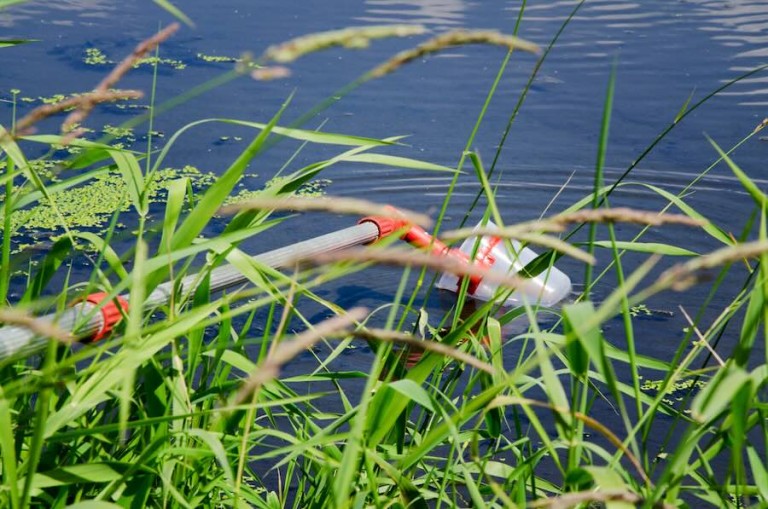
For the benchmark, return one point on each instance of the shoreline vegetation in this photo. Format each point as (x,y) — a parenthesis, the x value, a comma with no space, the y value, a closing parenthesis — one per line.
(189,406)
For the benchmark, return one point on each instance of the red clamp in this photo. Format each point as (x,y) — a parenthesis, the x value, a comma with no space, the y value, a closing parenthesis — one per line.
(110,312)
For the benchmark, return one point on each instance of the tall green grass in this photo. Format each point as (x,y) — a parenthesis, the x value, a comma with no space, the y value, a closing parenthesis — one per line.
(189,406)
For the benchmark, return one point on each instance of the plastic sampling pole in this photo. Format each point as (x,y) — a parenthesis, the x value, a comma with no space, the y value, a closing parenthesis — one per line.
(17,341)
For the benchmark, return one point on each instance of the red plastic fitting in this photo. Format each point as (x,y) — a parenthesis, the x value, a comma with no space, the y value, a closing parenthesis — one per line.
(418,237)
(110,312)
(386,225)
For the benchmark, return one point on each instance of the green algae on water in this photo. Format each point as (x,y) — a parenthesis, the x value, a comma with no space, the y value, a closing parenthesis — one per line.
(95,56)
(118,132)
(168,62)
(217,58)
(313,188)
(90,206)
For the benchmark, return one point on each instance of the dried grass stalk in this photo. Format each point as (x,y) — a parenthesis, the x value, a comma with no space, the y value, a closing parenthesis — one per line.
(625,215)
(682,276)
(38,326)
(24,125)
(432,346)
(558,245)
(560,222)
(759,127)
(409,258)
(273,72)
(347,38)
(287,350)
(117,73)
(702,340)
(450,39)
(84,103)
(328,204)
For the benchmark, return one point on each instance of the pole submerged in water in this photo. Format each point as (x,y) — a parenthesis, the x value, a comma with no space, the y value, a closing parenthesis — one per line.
(20,341)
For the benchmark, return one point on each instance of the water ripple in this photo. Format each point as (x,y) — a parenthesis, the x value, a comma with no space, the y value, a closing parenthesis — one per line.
(83,9)
(440,13)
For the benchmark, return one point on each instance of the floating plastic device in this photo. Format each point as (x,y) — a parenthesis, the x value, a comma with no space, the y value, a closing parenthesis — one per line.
(491,252)
(95,316)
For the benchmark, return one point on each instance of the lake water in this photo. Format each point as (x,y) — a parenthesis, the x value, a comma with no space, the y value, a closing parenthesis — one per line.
(663,51)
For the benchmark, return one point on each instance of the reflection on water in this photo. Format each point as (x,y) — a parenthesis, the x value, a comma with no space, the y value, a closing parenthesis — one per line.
(740,27)
(741,24)
(448,13)
(46,10)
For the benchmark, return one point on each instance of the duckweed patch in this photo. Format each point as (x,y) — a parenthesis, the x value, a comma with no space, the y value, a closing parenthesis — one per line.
(313,188)
(680,385)
(90,206)
(44,168)
(95,56)
(167,62)
(55,98)
(218,59)
(118,132)
(676,392)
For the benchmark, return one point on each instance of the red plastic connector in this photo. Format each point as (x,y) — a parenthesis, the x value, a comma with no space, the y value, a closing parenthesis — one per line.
(386,225)
(110,312)
(418,237)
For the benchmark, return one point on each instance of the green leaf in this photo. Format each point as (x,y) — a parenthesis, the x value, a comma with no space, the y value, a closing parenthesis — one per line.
(319,137)
(216,447)
(7,3)
(78,474)
(583,337)
(645,247)
(746,182)
(399,162)
(684,107)
(175,11)
(413,391)
(718,394)
(98,387)
(173,206)
(11,148)
(134,180)
(109,254)
(608,479)
(94,504)
(750,325)
(53,260)
(215,195)
(495,346)
(8,450)
(689,211)
(234,359)
(5,43)
(759,473)
(322,376)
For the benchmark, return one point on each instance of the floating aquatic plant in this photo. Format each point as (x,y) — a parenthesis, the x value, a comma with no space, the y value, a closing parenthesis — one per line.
(90,206)
(216,58)
(94,56)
